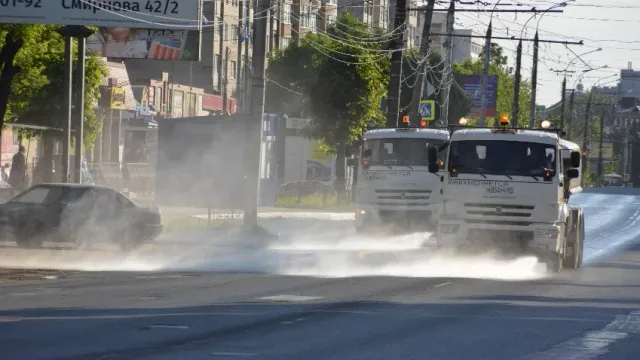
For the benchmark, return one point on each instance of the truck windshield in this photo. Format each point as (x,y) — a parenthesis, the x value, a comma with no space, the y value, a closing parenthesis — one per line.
(401,151)
(502,157)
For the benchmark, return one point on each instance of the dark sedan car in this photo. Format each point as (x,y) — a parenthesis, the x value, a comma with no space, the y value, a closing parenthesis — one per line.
(80,214)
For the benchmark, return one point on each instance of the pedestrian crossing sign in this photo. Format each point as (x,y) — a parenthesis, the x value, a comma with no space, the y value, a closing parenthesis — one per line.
(426,110)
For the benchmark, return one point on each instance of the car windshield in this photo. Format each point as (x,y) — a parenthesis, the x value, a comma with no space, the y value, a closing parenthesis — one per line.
(401,151)
(502,157)
(39,195)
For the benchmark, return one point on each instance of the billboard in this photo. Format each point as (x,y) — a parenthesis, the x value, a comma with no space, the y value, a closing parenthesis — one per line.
(472,86)
(150,14)
(117,98)
(133,43)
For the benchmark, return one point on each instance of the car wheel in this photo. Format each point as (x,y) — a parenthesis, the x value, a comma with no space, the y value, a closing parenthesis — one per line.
(130,240)
(30,236)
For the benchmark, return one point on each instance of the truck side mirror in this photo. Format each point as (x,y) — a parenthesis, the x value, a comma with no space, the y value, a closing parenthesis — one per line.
(434,168)
(575,159)
(573,173)
(432,156)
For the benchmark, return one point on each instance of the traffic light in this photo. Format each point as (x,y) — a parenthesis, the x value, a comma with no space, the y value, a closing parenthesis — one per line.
(423,123)
(405,120)
(504,119)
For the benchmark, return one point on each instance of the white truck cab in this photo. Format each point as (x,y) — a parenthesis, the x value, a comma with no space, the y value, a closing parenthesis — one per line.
(508,189)
(394,185)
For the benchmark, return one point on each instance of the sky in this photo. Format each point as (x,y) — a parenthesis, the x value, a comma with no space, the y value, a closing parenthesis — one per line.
(612,25)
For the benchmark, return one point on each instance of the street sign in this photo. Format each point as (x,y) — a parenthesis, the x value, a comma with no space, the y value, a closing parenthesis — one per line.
(426,110)
(147,14)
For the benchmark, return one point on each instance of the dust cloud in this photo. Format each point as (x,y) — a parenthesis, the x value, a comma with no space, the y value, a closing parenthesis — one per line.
(322,248)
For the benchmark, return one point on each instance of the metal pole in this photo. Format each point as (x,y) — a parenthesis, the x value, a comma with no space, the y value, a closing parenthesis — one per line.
(223,31)
(247,61)
(444,117)
(600,147)
(585,137)
(225,80)
(534,82)
(485,75)
(278,24)
(418,89)
(257,114)
(571,99)
(296,22)
(270,33)
(515,109)
(564,91)
(80,73)
(68,78)
(239,88)
(396,43)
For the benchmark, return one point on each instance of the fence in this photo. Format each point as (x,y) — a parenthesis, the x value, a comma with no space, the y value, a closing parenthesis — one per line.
(307,194)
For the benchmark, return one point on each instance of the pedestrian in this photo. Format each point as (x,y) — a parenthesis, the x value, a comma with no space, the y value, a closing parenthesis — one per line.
(18,173)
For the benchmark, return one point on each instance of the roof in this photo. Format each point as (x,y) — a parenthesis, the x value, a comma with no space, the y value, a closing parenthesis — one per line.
(420,133)
(546,137)
(569,145)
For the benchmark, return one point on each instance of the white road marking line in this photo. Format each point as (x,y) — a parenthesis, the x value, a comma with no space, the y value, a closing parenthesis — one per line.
(233,354)
(160,326)
(50,277)
(592,344)
(289,298)
(444,284)
(293,321)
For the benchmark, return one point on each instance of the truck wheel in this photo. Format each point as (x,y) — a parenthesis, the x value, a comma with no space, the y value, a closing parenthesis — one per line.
(553,262)
(582,239)
(572,258)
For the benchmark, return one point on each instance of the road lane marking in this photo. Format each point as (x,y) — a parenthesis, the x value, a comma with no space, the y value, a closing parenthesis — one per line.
(233,354)
(444,284)
(592,344)
(289,298)
(167,326)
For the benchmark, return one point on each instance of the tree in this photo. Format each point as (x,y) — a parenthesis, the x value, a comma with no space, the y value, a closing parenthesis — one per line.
(496,56)
(35,95)
(339,77)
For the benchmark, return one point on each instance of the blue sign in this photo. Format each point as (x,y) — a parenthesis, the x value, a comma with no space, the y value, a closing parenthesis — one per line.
(472,86)
(426,110)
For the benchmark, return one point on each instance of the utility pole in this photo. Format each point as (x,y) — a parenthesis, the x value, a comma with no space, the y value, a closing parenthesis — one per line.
(278,24)
(564,91)
(569,124)
(534,81)
(247,60)
(444,113)
(515,109)
(600,147)
(396,67)
(68,98)
(270,33)
(225,79)
(80,73)
(252,151)
(223,33)
(239,88)
(585,137)
(296,22)
(485,74)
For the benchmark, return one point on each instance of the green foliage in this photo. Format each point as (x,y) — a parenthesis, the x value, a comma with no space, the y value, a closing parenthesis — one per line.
(336,79)
(37,95)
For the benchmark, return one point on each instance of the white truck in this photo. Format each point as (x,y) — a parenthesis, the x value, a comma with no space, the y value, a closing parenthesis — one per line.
(394,187)
(504,189)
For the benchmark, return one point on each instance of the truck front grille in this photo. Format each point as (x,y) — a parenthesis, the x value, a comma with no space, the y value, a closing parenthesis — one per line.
(499,214)
(400,197)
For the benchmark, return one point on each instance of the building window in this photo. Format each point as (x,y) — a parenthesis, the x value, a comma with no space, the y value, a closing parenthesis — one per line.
(220,26)
(313,17)
(331,19)
(234,33)
(285,43)
(286,13)
(158,98)
(292,14)
(217,63)
(234,69)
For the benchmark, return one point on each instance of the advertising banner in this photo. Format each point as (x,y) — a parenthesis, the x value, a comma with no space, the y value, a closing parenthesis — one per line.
(472,85)
(129,43)
(150,14)
(118,98)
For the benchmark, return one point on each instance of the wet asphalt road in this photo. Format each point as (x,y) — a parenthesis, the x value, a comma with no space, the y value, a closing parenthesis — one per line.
(259,313)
